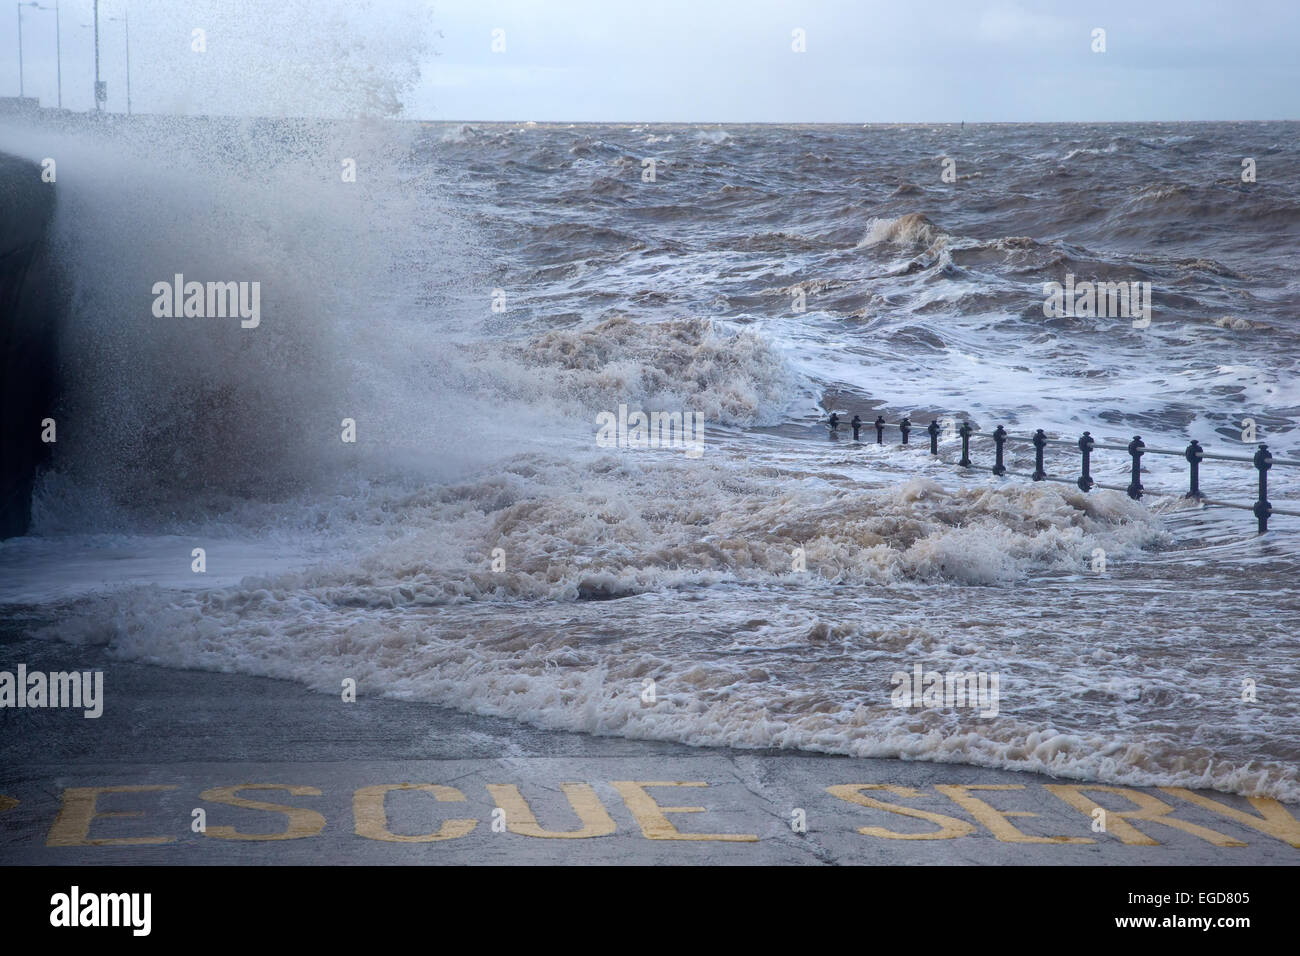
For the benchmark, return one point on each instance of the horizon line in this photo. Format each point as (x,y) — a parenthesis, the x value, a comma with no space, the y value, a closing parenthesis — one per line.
(625,122)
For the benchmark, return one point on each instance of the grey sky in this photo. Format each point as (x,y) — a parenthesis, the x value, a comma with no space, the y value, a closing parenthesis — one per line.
(688,60)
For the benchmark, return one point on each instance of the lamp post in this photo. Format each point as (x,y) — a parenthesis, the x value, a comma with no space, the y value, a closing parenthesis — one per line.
(98,88)
(58,49)
(20,51)
(20,5)
(126,24)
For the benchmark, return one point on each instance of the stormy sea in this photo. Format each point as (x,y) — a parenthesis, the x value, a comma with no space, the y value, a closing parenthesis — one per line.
(425,467)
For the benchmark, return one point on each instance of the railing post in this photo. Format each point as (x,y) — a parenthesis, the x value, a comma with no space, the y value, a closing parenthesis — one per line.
(880,429)
(933,429)
(1135,448)
(1262,509)
(964,431)
(1193,456)
(1085,476)
(905,426)
(1040,442)
(857,426)
(999,439)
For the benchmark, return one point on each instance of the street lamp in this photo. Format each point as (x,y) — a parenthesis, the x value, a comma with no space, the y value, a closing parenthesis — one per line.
(101,93)
(58,49)
(126,25)
(20,5)
(95,27)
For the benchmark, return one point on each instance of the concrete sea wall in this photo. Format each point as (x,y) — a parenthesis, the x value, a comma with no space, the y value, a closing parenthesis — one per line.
(27,336)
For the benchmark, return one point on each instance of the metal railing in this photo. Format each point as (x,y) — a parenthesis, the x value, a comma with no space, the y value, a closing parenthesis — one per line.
(1262,460)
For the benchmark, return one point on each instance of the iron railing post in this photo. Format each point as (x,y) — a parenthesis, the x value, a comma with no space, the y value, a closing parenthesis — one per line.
(1262,509)
(1135,448)
(1193,456)
(1085,475)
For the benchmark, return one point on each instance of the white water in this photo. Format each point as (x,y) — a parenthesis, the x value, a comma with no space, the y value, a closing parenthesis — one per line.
(374,561)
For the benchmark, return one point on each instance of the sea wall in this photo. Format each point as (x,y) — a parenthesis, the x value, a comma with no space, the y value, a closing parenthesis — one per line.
(27,336)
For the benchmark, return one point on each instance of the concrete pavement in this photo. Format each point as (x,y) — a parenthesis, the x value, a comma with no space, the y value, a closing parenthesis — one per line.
(197,768)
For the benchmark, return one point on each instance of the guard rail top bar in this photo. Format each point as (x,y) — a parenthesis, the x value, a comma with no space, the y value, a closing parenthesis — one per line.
(1193,453)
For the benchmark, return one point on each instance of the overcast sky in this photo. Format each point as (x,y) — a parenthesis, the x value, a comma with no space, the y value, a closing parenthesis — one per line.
(678,60)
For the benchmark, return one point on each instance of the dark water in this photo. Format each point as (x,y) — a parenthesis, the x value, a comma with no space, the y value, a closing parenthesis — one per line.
(771,585)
